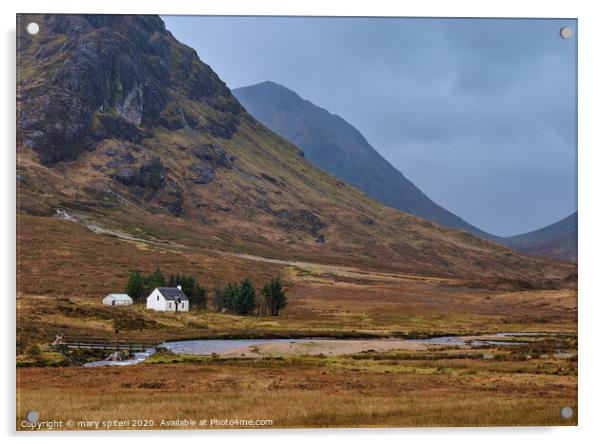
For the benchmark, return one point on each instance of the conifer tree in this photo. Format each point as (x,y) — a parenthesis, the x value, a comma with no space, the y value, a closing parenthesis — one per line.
(245,301)
(218,299)
(230,297)
(200,296)
(172,281)
(278,296)
(264,305)
(135,286)
(156,279)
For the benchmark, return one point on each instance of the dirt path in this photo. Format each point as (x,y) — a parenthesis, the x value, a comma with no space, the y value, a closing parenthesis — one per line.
(314,268)
(344,271)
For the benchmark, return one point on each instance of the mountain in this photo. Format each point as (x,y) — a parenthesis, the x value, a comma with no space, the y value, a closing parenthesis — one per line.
(335,146)
(124,129)
(558,240)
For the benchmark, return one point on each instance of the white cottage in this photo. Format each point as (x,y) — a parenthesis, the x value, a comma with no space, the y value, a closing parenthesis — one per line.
(168,299)
(117,300)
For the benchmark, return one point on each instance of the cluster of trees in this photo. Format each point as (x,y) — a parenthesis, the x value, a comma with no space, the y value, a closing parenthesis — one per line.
(139,286)
(238,298)
(241,298)
(273,298)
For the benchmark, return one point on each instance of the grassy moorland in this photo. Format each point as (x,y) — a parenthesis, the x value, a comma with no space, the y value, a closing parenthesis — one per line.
(61,292)
(431,385)
(345,391)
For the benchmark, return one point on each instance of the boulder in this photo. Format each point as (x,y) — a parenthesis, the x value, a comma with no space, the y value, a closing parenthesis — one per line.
(301,220)
(204,174)
(120,160)
(150,176)
(127,176)
(214,155)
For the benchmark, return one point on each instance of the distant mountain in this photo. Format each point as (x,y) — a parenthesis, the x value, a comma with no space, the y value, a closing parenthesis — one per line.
(558,240)
(334,145)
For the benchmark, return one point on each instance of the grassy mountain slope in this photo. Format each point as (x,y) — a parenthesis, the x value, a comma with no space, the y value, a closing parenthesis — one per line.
(123,127)
(558,240)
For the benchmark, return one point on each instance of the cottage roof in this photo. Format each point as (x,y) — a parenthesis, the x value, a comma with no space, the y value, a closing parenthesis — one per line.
(120,297)
(172,293)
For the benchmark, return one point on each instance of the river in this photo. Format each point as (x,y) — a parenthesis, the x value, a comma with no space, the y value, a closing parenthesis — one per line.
(220,346)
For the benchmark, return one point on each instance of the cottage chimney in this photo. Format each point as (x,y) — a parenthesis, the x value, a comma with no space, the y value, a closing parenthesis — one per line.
(179,287)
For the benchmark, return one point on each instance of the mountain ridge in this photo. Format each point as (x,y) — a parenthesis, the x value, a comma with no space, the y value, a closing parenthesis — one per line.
(154,144)
(336,146)
(557,240)
(286,112)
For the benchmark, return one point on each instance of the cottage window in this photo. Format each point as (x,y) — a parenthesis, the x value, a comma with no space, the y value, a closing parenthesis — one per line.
(157,297)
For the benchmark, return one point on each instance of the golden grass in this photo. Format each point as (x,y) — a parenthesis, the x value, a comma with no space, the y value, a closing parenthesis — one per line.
(296,395)
(61,258)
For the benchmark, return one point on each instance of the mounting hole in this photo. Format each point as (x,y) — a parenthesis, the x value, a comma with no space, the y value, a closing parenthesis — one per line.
(566,32)
(566,412)
(33,28)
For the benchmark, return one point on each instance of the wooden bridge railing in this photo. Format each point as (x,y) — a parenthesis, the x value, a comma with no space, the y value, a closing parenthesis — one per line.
(104,343)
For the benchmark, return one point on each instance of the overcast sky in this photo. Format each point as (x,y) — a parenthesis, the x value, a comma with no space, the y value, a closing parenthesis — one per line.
(479,114)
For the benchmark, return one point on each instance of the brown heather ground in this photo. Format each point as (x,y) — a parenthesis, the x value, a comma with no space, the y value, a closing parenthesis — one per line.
(61,291)
(310,393)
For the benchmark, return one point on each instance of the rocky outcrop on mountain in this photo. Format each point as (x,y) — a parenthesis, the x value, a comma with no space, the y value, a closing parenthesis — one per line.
(203,174)
(86,78)
(105,126)
(172,198)
(121,159)
(211,157)
(301,220)
(127,176)
(151,175)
